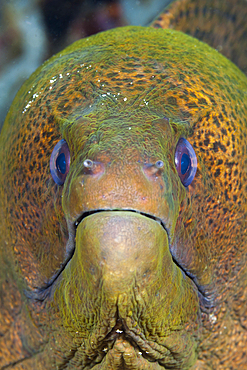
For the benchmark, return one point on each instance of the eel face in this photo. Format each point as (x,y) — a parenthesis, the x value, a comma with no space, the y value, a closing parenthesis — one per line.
(123,208)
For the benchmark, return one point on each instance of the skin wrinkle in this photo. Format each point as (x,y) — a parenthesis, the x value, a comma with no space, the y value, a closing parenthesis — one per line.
(163,86)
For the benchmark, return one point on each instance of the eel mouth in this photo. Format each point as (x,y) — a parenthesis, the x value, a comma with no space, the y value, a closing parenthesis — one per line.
(126,283)
(206,301)
(131,319)
(41,293)
(89,213)
(71,245)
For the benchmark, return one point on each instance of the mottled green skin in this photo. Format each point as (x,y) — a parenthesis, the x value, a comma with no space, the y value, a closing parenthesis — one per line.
(220,24)
(123,98)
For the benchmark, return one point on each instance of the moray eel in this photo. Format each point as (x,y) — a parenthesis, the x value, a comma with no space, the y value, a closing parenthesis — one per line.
(123,203)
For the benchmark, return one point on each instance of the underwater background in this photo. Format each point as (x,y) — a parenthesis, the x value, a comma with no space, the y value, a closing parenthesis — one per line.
(31,31)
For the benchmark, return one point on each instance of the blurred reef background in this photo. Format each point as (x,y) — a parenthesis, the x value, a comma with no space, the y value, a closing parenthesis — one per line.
(31,31)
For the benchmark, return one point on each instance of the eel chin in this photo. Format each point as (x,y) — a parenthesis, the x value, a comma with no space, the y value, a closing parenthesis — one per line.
(129,304)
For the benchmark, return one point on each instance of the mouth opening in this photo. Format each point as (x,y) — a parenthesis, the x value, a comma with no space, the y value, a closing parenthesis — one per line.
(40,294)
(206,299)
(89,213)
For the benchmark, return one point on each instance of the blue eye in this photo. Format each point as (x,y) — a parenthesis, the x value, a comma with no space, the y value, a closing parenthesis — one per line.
(60,162)
(185,161)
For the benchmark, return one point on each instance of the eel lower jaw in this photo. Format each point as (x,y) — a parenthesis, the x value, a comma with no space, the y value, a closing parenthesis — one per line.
(41,293)
(206,297)
(72,226)
(102,241)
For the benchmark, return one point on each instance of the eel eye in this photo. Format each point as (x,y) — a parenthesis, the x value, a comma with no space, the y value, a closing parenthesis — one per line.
(59,162)
(185,161)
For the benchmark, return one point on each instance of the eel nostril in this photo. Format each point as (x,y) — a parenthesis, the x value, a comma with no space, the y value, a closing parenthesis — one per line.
(88,163)
(159,164)
(92,167)
(153,169)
